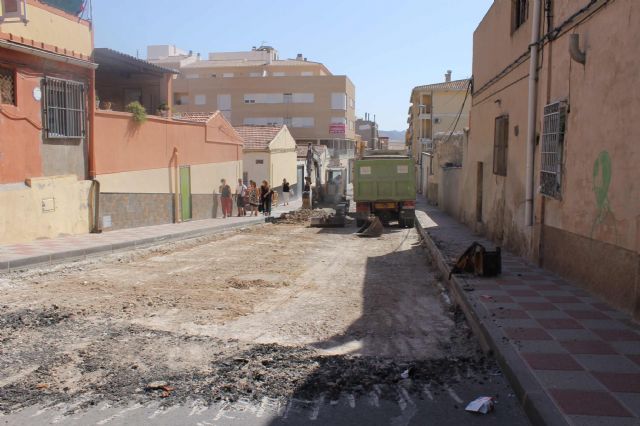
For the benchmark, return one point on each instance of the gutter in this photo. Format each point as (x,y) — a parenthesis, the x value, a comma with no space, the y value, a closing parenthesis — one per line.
(47,55)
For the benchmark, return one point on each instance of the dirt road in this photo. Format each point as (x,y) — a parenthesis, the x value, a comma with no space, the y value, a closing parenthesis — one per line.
(275,313)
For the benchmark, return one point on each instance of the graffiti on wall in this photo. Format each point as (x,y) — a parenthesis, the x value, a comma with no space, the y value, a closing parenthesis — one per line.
(602,174)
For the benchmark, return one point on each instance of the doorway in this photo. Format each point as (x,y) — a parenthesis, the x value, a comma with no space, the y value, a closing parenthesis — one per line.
(185,192)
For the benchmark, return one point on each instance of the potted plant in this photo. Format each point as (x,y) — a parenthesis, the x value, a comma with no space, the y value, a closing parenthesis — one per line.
(163,110)
(138,111)
(106,105)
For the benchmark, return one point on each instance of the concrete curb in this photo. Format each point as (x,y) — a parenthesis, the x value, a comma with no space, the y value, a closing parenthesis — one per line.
(536,403)
(99,250)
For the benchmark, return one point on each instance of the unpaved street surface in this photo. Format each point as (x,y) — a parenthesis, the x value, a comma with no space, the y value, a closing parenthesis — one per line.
(276,324)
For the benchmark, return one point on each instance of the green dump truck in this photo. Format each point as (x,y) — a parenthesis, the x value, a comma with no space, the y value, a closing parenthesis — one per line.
(384,185)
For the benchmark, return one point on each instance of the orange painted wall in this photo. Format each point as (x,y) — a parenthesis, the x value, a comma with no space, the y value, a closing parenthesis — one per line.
(21,125)
(121,145)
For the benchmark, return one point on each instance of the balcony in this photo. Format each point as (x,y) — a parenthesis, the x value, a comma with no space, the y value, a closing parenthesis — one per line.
(427,145)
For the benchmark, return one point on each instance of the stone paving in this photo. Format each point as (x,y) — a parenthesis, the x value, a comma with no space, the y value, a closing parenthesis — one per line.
(37,252)
(575,359)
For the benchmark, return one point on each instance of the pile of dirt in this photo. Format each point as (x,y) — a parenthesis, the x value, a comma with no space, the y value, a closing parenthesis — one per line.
(243,284)
(302,216)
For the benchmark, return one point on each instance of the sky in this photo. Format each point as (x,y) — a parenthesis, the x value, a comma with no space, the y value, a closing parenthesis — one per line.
(385,47)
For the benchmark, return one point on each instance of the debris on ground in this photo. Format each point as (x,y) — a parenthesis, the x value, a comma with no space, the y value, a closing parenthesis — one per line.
(302,216)
(203,320)
(482,405)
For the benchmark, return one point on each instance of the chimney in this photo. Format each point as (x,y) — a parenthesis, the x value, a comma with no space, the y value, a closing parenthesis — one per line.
(447,76)
(299,57)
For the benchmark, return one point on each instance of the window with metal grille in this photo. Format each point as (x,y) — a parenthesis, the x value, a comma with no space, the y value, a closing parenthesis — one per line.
(7,86)
(501,145)
(552,147)
(520,13)
(64,108)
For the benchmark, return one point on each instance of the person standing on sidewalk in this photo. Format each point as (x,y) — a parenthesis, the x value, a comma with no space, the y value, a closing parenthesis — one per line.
(241,194)
(225,198)
(254,198)
(286,191)
(266,194)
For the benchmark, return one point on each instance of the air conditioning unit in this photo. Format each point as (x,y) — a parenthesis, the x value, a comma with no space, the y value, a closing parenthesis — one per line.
(437,120)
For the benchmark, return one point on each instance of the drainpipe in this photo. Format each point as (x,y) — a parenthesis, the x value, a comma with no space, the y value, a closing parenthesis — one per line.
(94,201)
(531,127)
(176,189)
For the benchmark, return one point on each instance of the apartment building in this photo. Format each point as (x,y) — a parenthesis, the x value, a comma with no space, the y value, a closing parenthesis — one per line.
(437,108)
(258,88)
(438,115)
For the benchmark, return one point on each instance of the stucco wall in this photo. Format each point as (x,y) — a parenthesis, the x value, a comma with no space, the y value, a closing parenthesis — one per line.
(52,26)
(257,172)
(22,215)
(592,232)
(23,151)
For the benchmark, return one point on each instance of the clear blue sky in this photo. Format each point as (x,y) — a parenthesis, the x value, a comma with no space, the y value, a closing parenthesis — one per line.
(385,47)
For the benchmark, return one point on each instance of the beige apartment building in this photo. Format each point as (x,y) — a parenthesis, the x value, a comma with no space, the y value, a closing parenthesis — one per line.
(258,88)
(437,108)
(438,115)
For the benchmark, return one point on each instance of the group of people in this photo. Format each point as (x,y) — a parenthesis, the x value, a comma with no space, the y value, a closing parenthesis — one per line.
(251,200)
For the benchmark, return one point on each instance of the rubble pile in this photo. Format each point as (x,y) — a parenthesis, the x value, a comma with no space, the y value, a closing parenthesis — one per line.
(302,216)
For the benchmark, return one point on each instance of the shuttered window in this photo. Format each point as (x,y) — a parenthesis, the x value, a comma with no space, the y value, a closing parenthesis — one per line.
(64,108)
(501,145)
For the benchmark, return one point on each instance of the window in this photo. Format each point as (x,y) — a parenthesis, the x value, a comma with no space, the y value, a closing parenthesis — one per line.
(339,101)
(500,145)
(259,161)
(227,75)
(287,98)
(7,86)
(255,74)
(520,13)
(181,98)
(12,9)
(303,98)
(306,73)
(303,122)
(64,108)
(263,121)
(263,98)
(552,148)
(200,99)
(193,76)
(278,74)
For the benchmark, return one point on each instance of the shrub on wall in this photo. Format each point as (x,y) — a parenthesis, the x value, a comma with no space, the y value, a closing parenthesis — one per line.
(138,111)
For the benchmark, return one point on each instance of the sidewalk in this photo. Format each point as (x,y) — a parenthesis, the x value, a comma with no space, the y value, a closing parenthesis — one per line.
(570,358)
(53,250)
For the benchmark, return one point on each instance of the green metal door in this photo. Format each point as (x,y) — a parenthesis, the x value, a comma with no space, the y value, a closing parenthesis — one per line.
(185,192)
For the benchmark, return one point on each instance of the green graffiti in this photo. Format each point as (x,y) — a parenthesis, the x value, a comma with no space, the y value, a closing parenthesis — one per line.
(602,175)
(601,183)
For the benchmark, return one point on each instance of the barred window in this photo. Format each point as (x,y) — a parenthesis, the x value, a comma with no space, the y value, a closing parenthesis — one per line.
(552,148)
(501,145)
(7,86)
(64,108)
